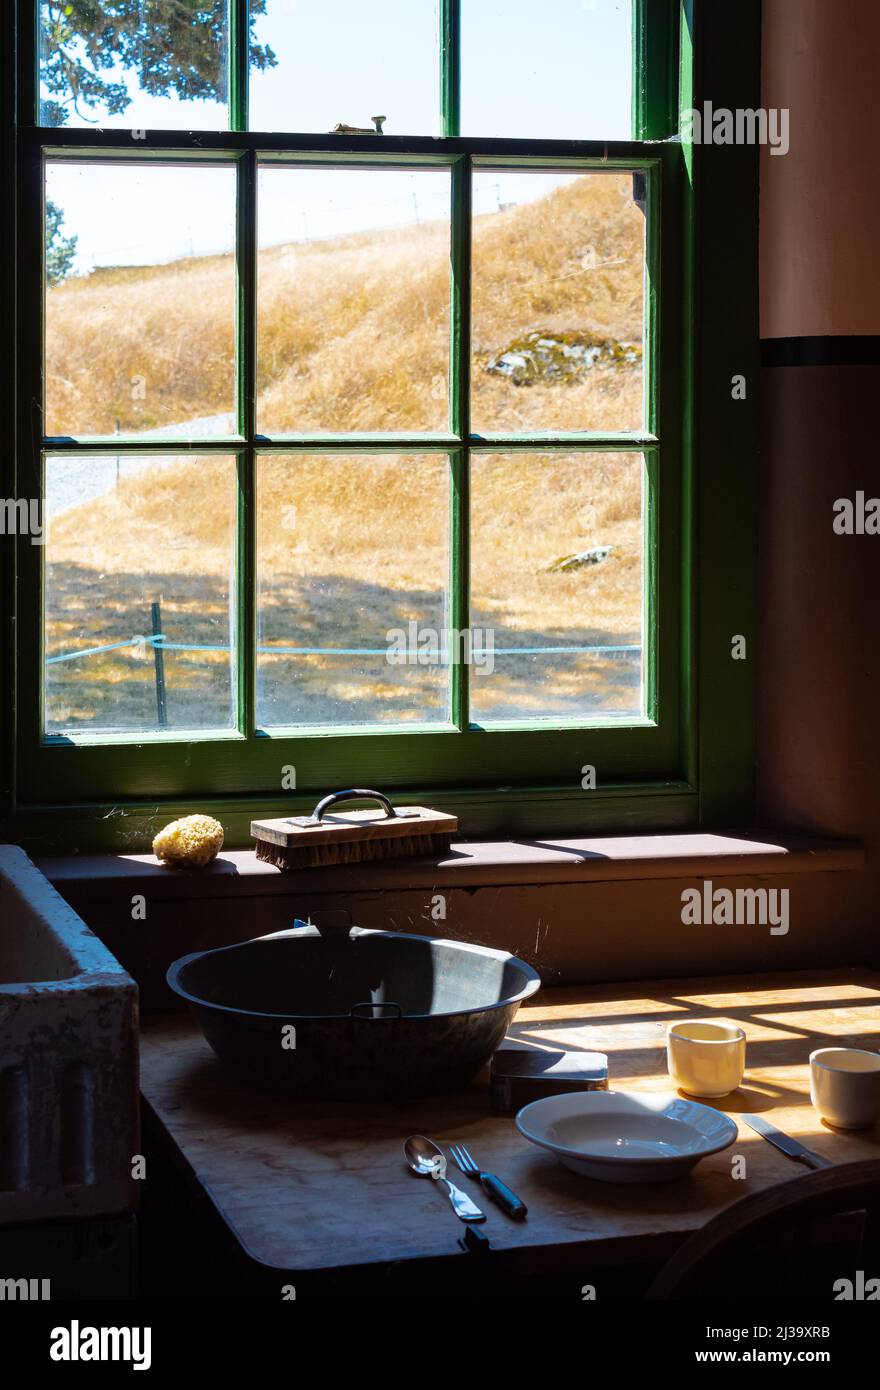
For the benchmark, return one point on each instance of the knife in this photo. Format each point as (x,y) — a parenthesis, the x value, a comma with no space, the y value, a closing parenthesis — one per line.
(792,1147)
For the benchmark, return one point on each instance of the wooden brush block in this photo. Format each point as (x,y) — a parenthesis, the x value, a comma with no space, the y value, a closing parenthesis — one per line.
(355,827)
(348,852)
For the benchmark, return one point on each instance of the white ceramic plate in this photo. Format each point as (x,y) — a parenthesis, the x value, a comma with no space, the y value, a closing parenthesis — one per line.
(619,1136)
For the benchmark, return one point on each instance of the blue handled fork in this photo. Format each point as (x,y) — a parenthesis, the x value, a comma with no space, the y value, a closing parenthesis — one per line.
(494,1187)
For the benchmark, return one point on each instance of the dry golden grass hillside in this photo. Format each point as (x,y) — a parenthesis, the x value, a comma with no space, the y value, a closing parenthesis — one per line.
(353,331)
(354,336)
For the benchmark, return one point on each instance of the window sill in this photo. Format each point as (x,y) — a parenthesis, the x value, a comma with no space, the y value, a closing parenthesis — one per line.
(468,865)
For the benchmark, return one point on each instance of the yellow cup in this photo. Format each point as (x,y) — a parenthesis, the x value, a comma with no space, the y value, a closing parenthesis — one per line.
(706,1059)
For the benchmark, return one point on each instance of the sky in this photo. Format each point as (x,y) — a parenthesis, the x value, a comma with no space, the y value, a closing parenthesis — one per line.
(558,68)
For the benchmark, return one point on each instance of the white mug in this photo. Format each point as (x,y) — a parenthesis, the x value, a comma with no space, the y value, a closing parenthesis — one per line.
(845,1086)
(706,1059)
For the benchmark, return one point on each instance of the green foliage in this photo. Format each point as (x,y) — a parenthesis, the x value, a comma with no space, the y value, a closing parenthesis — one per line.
(173,46)
(60,250)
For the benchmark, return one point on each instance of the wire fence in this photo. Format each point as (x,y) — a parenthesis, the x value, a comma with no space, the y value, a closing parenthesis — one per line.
(157,641)
(160,643)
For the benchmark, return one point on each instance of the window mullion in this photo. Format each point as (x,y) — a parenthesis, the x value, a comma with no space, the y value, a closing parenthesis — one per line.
(26,51)
(238,59)
(246,367)
(655,78)
(459,584)
(450,66)
(459,394)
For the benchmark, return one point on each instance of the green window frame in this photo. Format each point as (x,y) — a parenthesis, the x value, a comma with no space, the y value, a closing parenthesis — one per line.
(668,769)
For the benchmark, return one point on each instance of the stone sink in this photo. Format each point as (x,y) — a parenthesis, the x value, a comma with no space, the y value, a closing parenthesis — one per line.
(68,1058)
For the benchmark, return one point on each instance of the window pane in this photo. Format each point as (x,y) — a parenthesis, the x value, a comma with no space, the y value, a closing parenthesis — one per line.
(342,62)
(352,557)
(125,534)
(556,582)
(558,302)
(558,70)
(150,64)
(140,299)
(353,300)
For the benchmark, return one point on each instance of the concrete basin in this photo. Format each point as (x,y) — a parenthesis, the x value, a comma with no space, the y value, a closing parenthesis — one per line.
(68,1058)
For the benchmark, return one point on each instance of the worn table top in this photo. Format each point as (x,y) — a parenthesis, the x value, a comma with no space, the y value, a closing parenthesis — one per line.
(319,1186)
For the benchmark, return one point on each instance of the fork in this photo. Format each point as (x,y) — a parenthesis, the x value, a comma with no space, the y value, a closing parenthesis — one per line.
(496,1189)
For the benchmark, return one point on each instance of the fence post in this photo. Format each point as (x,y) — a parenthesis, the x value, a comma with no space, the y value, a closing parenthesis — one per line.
(159,659)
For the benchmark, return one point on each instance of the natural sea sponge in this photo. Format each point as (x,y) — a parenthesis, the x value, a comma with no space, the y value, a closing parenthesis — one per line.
(190,843)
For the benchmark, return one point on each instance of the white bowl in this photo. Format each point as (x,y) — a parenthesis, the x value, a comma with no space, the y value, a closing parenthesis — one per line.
(619,1136)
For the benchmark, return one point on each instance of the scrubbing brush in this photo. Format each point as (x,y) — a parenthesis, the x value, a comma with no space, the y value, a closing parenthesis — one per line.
(308,842)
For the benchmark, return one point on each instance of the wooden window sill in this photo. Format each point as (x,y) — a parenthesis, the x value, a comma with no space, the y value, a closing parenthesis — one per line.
(472,864)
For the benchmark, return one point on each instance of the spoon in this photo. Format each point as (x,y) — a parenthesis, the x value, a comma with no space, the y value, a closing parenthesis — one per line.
(428,1161)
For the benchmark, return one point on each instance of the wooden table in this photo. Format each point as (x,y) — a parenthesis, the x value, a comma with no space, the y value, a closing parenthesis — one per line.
(309,1187)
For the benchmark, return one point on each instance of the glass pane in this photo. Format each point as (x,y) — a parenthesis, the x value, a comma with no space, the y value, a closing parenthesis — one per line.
(559,70)
(352,561)
(556,583)
(148,64)
(319,64)
(558,302)
(140,299)
(353,296)
(138,547)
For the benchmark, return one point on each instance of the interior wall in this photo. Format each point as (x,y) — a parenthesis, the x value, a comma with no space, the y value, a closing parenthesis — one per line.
(572,933)
(819,759)
(819,202)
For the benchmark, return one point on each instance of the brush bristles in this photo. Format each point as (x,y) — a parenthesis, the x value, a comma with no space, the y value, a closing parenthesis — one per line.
(351,851)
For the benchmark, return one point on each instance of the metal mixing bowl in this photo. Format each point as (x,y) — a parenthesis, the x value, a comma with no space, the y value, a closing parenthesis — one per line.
(375,1015)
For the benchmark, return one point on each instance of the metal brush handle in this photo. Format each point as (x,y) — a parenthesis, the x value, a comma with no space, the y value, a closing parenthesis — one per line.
(352,794)
(375,1004)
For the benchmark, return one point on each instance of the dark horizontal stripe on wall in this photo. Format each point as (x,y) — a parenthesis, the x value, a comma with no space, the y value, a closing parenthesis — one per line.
(832,351)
